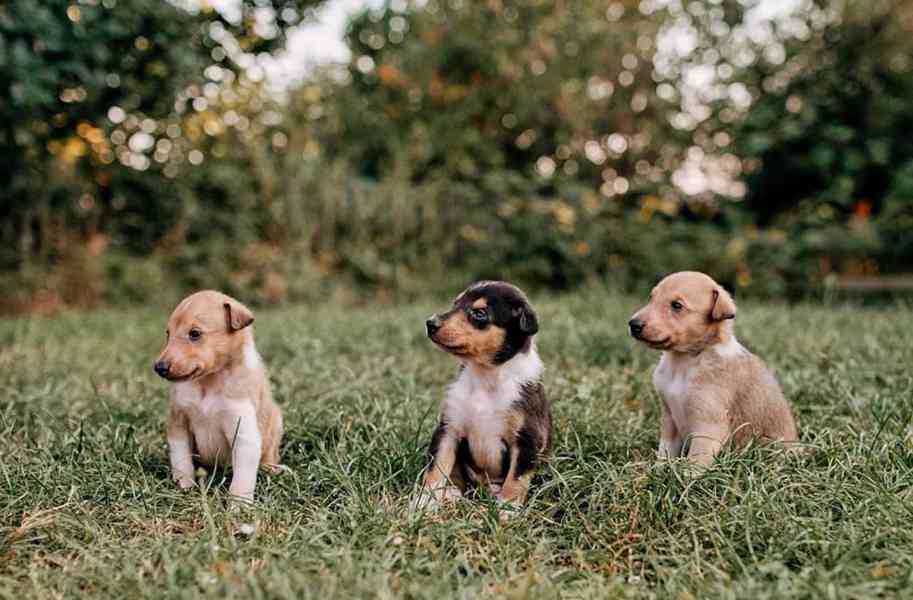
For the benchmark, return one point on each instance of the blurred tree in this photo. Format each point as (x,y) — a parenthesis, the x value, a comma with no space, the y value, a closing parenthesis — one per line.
(70,69)
(550,90)
(536,116)
(548,142)
(827,124)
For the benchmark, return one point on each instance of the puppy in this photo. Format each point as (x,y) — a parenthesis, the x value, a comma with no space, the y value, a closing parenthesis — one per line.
(495,422)
(222,409)
(713,389)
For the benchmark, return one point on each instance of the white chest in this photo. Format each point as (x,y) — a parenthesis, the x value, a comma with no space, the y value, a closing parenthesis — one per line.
(480,401)
(477,413)
(672,384)
(210,416)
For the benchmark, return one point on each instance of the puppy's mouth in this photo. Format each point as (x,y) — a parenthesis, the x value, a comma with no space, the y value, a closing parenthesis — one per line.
(661,344)
(457,349)
(187,377)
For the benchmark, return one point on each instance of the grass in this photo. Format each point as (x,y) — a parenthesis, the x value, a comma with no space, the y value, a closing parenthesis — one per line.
(87,507)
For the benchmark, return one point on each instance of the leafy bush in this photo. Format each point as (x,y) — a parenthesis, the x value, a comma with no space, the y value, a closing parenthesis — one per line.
(550,143)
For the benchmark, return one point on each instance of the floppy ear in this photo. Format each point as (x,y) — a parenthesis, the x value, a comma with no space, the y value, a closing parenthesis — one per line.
(723,306)
(237,315)
(529,324)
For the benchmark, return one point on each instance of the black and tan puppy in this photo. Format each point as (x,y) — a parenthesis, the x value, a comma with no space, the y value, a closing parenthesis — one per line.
(495,421)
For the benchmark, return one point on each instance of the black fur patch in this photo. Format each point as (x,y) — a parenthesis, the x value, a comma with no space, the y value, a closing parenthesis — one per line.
(533,404)
(534,437)
(505,459)
(468,467)
(529,443)
(439,432)
(508,309)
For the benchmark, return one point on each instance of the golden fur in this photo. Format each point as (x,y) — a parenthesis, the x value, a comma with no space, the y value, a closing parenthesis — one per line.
(713,390)
(222,409)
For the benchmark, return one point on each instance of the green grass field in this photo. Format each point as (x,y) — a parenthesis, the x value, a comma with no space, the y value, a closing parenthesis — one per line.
(88,509)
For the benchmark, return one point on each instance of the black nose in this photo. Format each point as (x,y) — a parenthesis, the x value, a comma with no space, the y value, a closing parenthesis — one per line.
(432,325)
(637,326)
(162,368)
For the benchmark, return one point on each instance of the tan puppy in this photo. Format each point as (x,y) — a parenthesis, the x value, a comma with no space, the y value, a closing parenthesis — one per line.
(222,409)
(713,389)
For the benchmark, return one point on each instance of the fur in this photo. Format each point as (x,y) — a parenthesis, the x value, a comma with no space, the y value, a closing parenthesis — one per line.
(713,389)
(495,421)
(222,411)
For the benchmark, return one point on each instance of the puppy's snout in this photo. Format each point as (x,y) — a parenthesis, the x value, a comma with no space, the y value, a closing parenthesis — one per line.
(162,368)
(432,325)
(636,326)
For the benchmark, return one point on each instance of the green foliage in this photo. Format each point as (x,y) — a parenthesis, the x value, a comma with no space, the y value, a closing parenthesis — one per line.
(552,143)
(825,138)
(473,90)
(64,66)
(88,509)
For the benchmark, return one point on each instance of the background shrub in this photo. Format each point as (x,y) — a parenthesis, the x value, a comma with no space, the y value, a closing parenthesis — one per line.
(558,144)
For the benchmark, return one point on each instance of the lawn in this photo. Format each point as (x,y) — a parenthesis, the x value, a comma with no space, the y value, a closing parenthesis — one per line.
(88,509)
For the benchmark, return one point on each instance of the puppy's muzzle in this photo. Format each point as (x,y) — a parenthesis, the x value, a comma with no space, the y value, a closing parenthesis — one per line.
(162,368)
(432,325)
(637,327)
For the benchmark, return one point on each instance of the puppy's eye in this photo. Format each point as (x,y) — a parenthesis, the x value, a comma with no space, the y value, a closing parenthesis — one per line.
(479,315)
(677,306)
(195,334)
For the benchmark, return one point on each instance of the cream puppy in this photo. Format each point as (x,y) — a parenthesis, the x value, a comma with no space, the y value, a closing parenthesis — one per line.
(222,411)
(713,389)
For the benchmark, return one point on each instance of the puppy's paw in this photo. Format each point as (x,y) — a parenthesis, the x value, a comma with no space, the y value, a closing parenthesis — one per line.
(185,482)
(667,451)
(508,510)
(237,503)
(276,469)
(430,500)
(246,529)
(694,469)
(423,501)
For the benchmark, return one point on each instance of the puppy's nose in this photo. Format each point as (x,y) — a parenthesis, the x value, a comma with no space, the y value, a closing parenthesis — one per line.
(432,325)
(162,368)
(636,326)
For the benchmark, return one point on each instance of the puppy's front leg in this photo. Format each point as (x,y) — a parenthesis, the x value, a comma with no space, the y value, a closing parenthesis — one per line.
(524,454)
(670,440)
(706,442)
(708,421)
(515,489)
(439,484)
(180,448)
(246,448)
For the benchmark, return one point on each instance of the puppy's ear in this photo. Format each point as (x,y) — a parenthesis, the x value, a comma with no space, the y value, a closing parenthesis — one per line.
(723,306)
(237,315)
(526,317)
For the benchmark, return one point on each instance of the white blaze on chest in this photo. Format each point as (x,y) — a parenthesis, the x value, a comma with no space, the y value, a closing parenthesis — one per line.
(671,382)
(480,399)
(213,420)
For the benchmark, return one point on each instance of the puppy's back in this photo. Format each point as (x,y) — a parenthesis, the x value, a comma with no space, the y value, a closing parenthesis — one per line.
(757,407)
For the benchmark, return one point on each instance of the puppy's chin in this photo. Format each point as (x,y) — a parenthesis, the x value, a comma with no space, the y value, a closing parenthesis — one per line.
(194,373)
(661,343)
(454,349)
